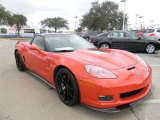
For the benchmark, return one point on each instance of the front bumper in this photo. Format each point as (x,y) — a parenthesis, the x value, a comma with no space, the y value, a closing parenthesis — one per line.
(123,107)
(123,90)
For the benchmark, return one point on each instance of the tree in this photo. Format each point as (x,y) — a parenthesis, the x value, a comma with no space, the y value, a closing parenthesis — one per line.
(55,23)
(8,18)
(3,30)
(103,16)
(20,21)
(80,29)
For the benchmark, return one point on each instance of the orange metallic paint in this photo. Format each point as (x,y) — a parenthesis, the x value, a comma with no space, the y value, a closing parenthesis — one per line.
(90,87)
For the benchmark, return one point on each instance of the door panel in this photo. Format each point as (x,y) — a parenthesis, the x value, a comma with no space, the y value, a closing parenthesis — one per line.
(41,64)
(36,60)
(136,45)
(119,41)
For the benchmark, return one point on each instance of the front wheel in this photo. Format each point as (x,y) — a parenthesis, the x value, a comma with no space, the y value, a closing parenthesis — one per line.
(67,87)
(150,48)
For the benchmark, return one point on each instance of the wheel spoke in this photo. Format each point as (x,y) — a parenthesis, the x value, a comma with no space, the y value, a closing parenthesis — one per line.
(65,87)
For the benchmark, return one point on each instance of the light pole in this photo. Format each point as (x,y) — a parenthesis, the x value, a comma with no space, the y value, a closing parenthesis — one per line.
(136,21)
(124,14)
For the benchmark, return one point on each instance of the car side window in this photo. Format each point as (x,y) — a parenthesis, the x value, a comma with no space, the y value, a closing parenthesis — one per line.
(38,41)
(117,35)
(104,35)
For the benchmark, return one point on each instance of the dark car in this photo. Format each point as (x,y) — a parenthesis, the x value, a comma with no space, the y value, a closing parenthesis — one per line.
(125,40)
(88,34)
(139,33)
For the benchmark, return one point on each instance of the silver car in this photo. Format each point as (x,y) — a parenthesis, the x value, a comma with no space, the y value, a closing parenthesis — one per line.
(152,33)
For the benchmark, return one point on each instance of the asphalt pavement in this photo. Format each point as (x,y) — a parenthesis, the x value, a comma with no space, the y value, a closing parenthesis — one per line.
(25,97)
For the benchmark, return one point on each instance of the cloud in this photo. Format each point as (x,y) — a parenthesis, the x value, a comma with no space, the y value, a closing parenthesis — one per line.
(19,6)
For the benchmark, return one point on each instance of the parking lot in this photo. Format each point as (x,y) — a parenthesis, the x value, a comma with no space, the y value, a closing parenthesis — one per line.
(25,97)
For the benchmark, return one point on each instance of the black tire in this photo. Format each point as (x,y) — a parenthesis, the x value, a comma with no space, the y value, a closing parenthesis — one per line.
(105,45)
(19,62)
(67,87)
(150,48)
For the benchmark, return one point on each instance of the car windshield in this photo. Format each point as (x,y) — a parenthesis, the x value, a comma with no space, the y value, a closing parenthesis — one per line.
(64,42)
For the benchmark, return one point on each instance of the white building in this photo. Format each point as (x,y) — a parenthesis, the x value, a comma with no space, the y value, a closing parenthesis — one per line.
(25,29)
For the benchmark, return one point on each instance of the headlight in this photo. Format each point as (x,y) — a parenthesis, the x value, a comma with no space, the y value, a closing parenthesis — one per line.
(142,61)
(99,72)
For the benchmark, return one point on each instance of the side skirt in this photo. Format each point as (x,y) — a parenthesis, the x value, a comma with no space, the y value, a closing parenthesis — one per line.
(45,81)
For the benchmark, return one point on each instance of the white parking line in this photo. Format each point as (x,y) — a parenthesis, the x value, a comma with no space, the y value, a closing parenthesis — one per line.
(158,65)
(152,101)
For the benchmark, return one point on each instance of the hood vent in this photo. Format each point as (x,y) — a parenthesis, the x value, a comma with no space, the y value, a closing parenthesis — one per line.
(131,68)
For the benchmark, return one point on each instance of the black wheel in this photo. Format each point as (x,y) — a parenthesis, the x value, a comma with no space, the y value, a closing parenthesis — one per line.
(105,45)
(67,87)
(150,48)
(19,62)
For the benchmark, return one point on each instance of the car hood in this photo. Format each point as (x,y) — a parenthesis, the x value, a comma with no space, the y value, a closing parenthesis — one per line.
(109,59)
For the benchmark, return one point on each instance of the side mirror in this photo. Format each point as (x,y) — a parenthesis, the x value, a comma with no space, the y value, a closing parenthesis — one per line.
(33,47)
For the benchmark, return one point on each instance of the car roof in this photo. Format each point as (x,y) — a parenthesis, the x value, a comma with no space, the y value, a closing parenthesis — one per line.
(50,34)
(117,31)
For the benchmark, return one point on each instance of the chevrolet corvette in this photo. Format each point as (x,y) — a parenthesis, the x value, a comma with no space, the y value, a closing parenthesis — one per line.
(106,80)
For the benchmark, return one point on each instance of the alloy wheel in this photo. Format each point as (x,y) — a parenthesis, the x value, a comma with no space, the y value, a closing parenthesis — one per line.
(105,45)
(150,48)
(67,87)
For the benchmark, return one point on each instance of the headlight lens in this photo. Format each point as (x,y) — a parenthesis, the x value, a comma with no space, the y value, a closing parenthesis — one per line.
(99,72)
(142,61)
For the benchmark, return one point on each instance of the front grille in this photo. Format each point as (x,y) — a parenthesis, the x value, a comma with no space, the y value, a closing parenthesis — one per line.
(128,94)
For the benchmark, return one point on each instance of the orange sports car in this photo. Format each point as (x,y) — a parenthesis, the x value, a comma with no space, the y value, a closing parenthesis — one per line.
(106,80)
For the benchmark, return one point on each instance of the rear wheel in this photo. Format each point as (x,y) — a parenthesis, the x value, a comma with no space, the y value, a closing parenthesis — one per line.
(105,45)
(150,48)
(19,62)
(67,87)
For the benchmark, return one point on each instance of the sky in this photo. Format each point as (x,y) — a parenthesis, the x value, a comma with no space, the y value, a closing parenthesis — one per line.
(37,10)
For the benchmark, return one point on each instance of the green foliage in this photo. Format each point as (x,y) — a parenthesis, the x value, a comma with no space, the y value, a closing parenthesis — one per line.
(3,30)
(56,23)
(7,18)
(20,21)
(80,29)
(101,16)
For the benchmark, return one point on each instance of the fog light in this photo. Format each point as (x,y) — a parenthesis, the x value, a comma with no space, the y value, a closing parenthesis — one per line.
(105,98)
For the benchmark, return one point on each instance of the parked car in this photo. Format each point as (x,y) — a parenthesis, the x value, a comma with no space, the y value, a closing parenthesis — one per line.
(125,40)
(139,33)
(88,34)
(155,33)
(103,79)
